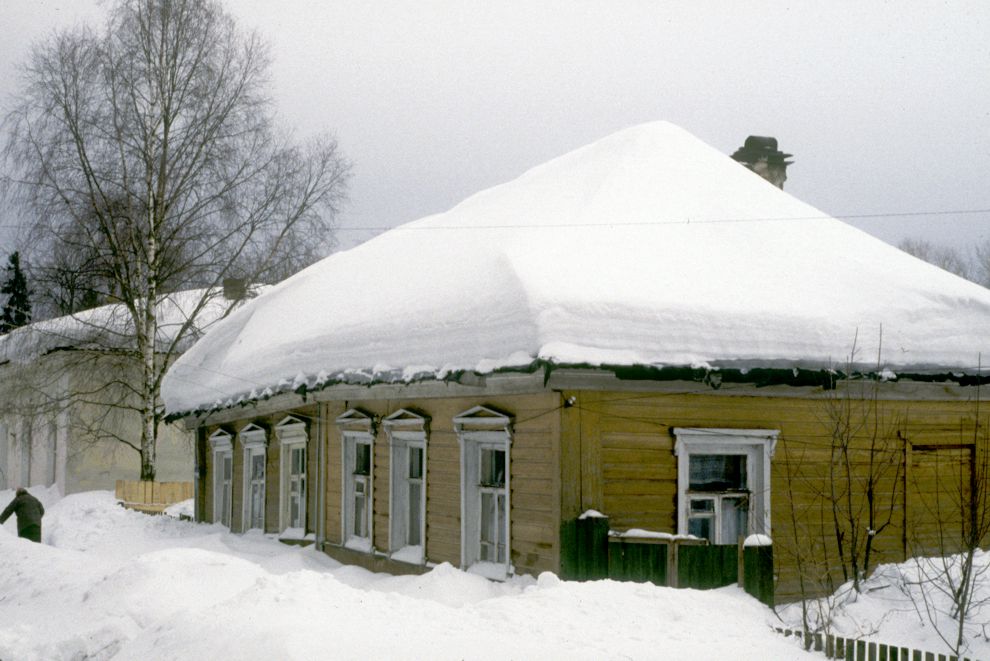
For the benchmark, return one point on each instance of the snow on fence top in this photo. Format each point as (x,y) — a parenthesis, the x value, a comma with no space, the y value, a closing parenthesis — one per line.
(647,247)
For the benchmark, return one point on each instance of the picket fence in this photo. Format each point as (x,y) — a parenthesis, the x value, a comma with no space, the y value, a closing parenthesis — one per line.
(851,649)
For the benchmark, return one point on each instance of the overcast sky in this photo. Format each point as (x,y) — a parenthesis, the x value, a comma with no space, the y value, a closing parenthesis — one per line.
(885,106)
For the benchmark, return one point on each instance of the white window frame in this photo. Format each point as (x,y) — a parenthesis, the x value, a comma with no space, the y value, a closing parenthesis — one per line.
(406,430)
(481,428)
(254,440)
(357,427)
(222,447)
(292,435)
(757,445)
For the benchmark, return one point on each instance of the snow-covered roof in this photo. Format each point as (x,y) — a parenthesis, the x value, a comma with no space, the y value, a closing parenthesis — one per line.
(111,327)
(647,247)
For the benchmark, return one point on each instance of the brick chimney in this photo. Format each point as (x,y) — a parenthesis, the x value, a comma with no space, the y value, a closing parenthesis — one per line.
(761,155)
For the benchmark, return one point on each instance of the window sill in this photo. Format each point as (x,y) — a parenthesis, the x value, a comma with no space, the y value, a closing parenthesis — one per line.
(362,544)
(297,534)
(491,570)
(411,554)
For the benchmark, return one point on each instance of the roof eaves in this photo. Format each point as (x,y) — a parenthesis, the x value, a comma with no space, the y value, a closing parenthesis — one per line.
(712,377)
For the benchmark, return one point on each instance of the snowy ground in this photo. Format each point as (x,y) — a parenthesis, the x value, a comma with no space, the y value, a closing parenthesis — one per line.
(114,584)
(907,605)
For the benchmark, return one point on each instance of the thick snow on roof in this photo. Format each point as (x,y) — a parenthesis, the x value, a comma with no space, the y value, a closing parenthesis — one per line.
(647,247)
(111,327)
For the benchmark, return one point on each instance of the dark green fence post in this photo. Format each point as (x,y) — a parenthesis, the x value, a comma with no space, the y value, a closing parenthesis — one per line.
(568,550)
(758,572)
(591,548)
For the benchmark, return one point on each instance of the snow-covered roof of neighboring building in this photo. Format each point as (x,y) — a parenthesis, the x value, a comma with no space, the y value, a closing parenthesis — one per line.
(111,327)
(647,247)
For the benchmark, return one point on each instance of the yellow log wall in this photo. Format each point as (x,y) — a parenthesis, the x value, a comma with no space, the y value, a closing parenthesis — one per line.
(618,458)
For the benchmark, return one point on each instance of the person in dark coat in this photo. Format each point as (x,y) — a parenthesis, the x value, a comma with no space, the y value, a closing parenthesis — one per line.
(29,511)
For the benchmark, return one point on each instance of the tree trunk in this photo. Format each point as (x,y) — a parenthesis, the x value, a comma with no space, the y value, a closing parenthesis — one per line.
(149,373)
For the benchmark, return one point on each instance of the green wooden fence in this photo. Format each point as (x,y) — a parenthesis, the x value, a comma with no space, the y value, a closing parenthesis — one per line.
(589,552)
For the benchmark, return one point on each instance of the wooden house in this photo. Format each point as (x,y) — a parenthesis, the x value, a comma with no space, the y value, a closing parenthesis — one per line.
(642,330)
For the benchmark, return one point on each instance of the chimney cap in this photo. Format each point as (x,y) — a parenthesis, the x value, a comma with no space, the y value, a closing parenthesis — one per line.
(758,148)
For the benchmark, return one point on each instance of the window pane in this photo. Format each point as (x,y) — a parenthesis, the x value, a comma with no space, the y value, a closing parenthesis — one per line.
(362,459)
(294,513)
(700,506)
(360,513)
(717,472)
(492,548)
(298,461)
(228,466)
(701,527)
(489,527)
(415,463)
(257,466)
(734,519)
(415,518)
(500,547)
(257,504)
(492,467)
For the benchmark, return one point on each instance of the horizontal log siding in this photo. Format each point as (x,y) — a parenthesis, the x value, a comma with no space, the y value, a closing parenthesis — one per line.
(618,458)
(534,479)
(333,478)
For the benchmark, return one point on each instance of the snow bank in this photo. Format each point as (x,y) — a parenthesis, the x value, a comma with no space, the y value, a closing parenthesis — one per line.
(115,584)
(901,604)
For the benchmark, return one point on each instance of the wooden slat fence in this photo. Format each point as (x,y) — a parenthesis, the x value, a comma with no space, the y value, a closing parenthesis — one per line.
(152,497)
(851,649)
(590,552)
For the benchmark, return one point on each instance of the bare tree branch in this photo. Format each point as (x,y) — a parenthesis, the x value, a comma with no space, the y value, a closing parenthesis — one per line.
(149,156)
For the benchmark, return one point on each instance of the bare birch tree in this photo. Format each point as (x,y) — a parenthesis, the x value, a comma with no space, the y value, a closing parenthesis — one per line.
(865,471)
(151,144)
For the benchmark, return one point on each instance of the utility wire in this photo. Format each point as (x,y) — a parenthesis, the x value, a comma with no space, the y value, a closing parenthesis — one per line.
(655,223)
(671,221)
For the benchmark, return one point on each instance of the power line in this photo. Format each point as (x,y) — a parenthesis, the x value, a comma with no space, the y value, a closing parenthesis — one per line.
(654,223)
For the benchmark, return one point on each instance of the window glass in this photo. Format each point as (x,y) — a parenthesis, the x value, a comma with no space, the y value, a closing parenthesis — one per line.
(297,486)
(415,514)
(700,527)
(699,506)
(492,527)
(717,472)
(223,496)
(360,511)
(492,467)
(735,513)
(257,466)
(415,463)
(362,459)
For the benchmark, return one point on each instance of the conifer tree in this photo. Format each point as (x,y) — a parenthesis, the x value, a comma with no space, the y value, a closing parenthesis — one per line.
(17,309)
